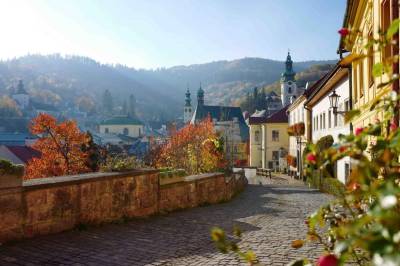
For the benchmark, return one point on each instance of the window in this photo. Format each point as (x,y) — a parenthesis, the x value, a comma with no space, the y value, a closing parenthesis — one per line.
(346,106)
(316,127)
(346,171)
(361,78)
(323,119)
(320,121)
(140,131)
(275,135)
(275,155)
(106,130)
(257,136)
(335,120)
(385,23)
(329,119)
(370,61)
(355,85)
(126,131)
(289,89)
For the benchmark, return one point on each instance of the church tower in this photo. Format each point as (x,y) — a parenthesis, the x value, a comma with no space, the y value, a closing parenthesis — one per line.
(21,97)
(288,83)
(200,96)
(188,110)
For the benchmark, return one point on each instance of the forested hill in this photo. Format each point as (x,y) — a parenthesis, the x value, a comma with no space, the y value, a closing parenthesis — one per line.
(159,93)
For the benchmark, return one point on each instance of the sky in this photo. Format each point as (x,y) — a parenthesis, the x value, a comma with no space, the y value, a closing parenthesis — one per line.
(165,33)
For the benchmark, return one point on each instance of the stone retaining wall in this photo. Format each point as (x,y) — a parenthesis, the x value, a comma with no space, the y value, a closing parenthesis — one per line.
(51,205)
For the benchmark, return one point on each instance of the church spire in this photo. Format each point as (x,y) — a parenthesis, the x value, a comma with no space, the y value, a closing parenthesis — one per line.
(289,74)
(187,109)
(188,100)
(200,96)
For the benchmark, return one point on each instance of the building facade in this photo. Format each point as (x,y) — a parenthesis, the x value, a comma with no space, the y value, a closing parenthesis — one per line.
(324,121)
(369,18)
(122,125)
(269,140)
(229,122)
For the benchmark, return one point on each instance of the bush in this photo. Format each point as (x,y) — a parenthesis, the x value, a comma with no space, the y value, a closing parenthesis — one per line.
(291,160)
(8,168)
(170,173)
(120,164)
(296,129)
(325,184)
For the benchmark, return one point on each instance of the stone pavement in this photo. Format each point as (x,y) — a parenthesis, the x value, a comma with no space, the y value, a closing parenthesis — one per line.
(270,213)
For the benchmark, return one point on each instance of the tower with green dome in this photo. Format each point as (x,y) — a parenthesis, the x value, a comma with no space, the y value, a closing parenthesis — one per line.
(289,89)
(187,110)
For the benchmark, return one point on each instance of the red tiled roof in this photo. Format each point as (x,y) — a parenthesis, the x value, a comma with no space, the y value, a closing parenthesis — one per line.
(24,153)
(279,117)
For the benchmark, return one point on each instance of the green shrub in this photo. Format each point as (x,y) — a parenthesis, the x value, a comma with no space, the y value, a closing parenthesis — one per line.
(7,167)
(170,173)
(120,164)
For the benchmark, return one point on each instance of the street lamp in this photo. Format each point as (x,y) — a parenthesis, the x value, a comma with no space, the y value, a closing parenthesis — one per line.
(334,100)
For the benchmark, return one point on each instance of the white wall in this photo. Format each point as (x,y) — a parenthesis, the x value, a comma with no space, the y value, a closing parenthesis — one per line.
(321,113)
(297,115)
(255,146)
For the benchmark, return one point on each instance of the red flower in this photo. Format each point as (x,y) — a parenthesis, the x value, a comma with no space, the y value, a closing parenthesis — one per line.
(342,148)
(359,130)
(393,126)
(328,260)
(311,158)
(344,32)
(353,186)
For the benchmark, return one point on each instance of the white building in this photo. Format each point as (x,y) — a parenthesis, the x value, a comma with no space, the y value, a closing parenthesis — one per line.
(323,121)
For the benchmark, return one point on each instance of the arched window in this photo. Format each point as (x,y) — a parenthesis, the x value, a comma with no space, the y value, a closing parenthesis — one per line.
(289,89)
(257,136)
(126,131)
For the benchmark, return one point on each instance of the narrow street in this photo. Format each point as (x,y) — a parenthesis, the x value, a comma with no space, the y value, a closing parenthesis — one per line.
(271,214)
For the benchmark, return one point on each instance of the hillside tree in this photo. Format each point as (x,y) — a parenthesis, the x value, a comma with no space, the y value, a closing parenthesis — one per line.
(60,147)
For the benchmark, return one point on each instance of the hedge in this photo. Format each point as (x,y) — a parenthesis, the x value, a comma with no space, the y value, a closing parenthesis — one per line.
(326,184)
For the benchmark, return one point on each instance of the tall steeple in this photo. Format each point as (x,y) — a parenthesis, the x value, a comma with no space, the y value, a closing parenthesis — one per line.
(187,110)
(289,73)
(188,101)
(200,96)
(288,83)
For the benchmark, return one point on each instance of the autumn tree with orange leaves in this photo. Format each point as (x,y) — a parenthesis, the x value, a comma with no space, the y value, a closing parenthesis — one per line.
(195,148)
(61,147)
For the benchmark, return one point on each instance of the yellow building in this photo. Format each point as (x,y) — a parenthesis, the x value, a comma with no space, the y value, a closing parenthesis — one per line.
(269,140)
(369,17)
(122,125)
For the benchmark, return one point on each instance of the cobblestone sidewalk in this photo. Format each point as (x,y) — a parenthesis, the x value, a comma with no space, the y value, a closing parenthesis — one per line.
(270,213)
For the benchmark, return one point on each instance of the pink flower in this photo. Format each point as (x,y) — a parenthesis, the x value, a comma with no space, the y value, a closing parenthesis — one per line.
(344,32)
(328,260)
(311,158)
(393,126)
(359,130)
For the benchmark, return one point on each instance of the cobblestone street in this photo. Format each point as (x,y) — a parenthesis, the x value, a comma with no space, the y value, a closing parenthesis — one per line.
(270,214)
